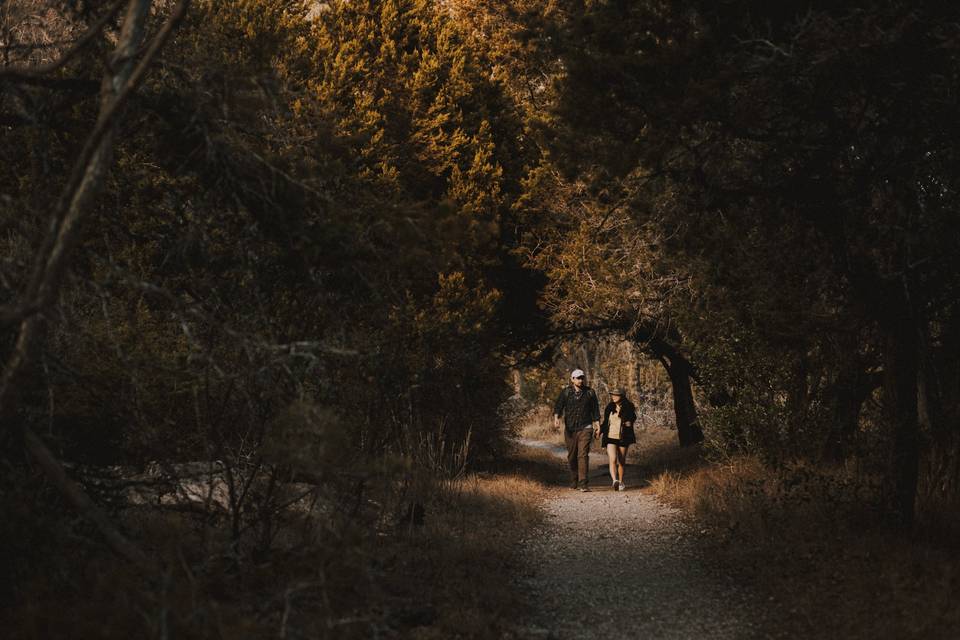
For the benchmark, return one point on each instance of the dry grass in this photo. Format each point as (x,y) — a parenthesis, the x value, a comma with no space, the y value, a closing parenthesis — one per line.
(440,575)
(657,452)
(537,424)
(459,559)
(814,544)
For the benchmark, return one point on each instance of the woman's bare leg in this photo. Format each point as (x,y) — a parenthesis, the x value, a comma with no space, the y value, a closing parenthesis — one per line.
(621,461)
(613,459)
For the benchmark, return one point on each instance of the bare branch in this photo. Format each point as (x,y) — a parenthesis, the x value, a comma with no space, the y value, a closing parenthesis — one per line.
(87,171)
(10,314)
(83,504)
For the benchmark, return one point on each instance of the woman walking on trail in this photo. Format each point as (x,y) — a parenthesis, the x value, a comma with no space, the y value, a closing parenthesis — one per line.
(618,435)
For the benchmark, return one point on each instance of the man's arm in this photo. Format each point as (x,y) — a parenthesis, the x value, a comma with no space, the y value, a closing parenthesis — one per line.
(558,410)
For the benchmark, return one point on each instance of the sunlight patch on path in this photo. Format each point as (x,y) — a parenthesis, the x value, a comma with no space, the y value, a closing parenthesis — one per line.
(557,449)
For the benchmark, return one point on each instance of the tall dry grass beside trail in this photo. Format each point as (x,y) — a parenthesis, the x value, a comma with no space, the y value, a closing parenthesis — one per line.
(465,549)
(812,542)
(537,424)
(657,452)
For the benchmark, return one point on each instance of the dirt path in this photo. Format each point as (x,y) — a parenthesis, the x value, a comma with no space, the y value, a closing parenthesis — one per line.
(621,565)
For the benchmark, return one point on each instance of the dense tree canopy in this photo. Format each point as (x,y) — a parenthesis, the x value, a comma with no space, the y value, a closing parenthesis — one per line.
(791,166)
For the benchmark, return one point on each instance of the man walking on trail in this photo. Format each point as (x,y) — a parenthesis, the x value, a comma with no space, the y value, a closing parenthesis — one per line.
(578,406)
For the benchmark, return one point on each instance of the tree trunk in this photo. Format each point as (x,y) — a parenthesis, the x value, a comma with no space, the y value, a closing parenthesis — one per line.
(516,377)
(688,427)
(850,391)
(939,410)
(901,369)
(588,353)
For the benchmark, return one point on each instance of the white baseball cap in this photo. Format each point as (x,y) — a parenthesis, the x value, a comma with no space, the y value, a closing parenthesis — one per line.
(576,373)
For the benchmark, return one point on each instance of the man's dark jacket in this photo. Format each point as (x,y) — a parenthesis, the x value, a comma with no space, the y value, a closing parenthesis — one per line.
(579,410)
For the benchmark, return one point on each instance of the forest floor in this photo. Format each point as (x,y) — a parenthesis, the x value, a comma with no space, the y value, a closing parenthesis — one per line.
(615,564)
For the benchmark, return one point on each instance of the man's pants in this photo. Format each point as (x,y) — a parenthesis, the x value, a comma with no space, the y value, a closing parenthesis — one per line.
(578,454)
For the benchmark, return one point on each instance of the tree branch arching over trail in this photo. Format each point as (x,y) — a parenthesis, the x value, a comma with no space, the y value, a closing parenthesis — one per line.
(679,369)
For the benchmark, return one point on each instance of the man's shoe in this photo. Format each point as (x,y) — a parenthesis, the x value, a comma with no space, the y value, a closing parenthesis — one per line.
(621,487)
(583,488)
(616,485)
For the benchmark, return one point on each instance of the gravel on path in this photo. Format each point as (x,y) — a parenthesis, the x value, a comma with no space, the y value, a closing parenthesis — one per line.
(619,564)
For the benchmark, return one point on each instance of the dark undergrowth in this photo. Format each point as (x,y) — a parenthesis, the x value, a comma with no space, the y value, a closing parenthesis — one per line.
(426,562)
(815,545)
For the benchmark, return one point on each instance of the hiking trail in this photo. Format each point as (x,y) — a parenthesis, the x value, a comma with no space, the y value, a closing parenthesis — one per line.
(620,564)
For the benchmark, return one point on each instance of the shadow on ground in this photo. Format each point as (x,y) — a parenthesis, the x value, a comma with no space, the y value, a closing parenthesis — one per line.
(537,463)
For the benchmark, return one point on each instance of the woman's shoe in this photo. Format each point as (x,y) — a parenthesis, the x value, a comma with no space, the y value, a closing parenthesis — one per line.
(621,486)
(616,485)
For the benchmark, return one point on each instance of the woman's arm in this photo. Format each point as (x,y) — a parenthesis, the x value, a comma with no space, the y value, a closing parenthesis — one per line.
(628,414)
